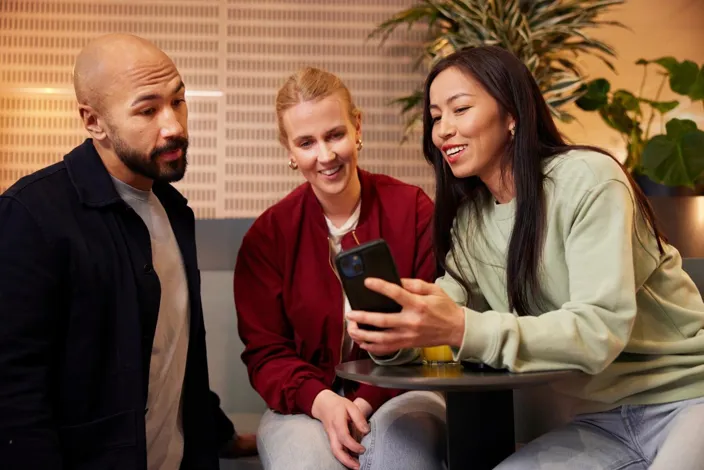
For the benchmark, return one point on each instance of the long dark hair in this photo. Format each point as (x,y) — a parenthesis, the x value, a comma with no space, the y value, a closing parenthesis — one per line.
(513,87)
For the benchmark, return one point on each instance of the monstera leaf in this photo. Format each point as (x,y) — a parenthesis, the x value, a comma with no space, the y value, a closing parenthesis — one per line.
(595,94)
(676,158)
(696,92)
(686,77)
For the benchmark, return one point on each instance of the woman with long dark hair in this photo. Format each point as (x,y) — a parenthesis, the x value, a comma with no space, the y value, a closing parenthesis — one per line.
(552,260)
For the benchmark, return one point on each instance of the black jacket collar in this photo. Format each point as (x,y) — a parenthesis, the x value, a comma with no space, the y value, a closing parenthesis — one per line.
(94,185)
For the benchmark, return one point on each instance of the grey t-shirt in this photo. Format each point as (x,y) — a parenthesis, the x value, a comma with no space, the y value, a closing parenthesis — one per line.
(168,360)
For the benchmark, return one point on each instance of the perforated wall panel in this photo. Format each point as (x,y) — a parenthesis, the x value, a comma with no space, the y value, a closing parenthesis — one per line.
(233,56)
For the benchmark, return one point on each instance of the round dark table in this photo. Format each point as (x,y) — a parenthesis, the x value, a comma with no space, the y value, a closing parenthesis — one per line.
(480,431)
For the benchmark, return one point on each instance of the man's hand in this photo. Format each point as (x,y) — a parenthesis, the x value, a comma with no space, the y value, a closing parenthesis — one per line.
(338,414)
(241,445)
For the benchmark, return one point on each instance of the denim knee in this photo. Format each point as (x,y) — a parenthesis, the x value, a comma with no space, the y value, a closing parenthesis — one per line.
(407,433)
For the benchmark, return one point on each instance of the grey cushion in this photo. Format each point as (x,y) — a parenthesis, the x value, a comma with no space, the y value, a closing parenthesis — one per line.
(695,268)
(228,375)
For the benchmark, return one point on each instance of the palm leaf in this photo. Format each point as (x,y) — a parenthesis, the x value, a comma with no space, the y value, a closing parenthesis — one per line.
(549,36)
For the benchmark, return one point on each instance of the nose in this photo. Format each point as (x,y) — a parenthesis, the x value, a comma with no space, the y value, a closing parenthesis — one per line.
(446,128)
(326,154)
(171,125)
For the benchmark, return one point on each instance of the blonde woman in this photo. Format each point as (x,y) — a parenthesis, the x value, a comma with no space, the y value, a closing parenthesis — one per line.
(291,306)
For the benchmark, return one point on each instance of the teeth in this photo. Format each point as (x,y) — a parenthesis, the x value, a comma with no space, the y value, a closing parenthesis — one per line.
(331,171)
(455,150)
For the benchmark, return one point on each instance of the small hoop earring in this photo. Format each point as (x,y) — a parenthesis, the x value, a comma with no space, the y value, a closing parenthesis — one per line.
(360,145)
(292,165)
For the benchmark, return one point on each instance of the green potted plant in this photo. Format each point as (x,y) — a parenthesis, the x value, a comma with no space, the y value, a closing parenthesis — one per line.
(547,35)
(671,154)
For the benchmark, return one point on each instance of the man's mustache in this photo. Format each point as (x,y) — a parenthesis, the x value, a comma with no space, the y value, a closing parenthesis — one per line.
(178,143)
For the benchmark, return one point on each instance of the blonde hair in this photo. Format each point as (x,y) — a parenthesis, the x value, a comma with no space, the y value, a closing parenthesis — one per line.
(310,84)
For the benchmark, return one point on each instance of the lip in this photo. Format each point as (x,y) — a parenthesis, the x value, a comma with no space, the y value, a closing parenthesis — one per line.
(453,158)
(334,175)
(448,146)
(171,156)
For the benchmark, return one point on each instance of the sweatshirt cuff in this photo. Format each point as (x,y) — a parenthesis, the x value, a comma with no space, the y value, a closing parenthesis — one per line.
(306,393)
(403,356)
(479,341)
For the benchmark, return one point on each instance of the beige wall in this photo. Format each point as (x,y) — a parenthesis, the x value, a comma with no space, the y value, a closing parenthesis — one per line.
(233,54)
(658,28)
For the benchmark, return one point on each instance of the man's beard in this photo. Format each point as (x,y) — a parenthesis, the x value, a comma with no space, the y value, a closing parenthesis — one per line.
(149,166)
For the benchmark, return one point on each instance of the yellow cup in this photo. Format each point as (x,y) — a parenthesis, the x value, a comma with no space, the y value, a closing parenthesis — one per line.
(437,355)
(444,370)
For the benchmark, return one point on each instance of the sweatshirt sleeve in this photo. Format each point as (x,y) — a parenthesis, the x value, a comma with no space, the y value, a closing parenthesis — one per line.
(590,330)
(456,292)
(287,383)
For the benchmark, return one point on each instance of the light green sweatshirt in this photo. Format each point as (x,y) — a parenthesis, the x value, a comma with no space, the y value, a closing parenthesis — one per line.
(616,309)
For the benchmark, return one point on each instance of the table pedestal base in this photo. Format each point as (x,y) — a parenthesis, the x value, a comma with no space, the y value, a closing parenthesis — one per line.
(480,430)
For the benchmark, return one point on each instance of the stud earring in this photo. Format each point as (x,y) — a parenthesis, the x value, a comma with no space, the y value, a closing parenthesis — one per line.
(512,131)
(292,165)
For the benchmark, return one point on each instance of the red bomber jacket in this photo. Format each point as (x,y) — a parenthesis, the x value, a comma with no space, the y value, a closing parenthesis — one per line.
(289,299)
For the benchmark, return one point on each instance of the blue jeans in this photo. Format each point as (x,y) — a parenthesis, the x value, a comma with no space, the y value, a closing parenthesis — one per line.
(669,436)
(407,433)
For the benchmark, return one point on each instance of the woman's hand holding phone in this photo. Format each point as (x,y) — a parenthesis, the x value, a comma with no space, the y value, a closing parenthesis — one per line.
(429,317)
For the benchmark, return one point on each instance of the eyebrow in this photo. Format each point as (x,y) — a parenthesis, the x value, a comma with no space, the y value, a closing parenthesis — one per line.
(341,127)
(452,98)
(155,96)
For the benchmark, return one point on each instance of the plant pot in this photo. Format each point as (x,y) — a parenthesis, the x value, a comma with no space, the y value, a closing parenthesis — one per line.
(651,188)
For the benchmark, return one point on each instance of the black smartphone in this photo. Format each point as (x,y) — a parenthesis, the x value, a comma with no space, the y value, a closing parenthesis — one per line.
(372,259)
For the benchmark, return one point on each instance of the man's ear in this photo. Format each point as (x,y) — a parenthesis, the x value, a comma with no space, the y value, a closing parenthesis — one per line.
(92,122)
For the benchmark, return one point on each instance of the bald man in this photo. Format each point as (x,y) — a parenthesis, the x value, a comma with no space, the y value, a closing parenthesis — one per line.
(102,344)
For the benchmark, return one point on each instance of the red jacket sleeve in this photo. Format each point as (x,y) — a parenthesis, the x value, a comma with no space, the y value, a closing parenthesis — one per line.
(424,267)
(286,382)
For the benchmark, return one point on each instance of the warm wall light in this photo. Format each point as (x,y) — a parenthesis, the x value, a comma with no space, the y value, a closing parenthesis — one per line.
(69,91)
(204,93)
(700,210)
(41,91)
